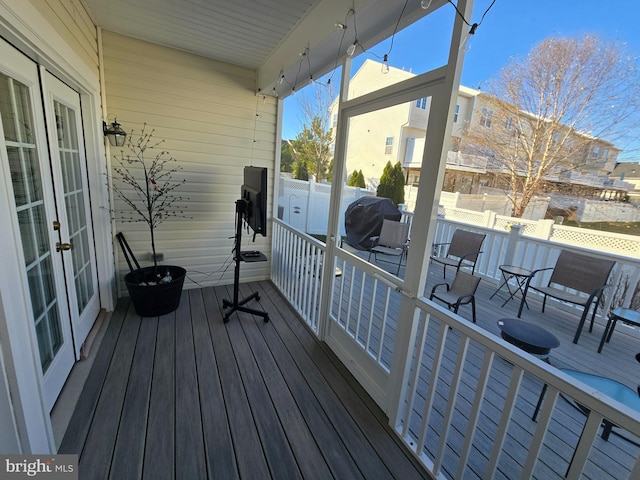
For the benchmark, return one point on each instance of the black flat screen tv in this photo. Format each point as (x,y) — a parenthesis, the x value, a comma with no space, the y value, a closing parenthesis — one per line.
(254,192)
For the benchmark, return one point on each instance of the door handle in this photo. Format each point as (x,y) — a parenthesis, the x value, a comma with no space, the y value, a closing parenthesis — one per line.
(62,246)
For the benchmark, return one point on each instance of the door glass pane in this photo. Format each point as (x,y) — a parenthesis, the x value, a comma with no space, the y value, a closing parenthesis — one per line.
(25,188)
(26,180)
(75,202)
(6,109)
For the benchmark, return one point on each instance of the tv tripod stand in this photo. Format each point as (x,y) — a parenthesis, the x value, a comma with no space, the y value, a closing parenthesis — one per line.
(236,304)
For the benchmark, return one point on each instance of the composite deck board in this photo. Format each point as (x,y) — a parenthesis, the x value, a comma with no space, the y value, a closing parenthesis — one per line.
(104,429)
(368,416)
(76,432)
(127,458)
(159,440)
(280,458)
(325,382)
(617,364)
(189,448)
(284,347)
(187,396)
(300,437)
(215,423)
(232,399)
(248,450)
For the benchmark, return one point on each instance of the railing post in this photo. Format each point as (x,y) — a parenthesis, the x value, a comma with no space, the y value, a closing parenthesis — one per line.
(512,243)
(489,218)
(310,201)
(544,229)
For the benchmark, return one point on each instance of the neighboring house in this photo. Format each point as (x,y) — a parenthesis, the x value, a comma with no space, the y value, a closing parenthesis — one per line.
(377,137)
(398,134)
(629,172)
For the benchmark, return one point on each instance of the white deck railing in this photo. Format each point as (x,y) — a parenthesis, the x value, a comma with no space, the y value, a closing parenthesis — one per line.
(515,247)
(466,408)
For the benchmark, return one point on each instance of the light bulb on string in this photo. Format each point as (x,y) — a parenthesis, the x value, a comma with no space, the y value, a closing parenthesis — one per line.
(385,64)
(465,45)
(425,4)
(352,48)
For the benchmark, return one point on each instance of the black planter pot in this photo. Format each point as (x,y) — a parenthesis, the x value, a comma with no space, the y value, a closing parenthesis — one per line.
(159,299)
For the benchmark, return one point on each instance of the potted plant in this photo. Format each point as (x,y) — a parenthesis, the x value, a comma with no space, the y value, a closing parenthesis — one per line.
(144,181)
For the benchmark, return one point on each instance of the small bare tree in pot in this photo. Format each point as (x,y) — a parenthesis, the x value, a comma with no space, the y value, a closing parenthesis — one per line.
(144,181)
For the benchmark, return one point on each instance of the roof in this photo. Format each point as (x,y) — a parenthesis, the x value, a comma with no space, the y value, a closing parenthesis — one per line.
(626,169)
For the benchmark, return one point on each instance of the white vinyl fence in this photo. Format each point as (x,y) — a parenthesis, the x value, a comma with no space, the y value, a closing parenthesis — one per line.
(305,207)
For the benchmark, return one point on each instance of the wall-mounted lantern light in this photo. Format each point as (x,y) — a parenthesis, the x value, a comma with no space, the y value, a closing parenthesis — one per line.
(114,133)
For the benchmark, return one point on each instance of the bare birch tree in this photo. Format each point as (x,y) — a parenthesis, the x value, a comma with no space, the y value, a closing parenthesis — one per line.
(562,107)
(313,143)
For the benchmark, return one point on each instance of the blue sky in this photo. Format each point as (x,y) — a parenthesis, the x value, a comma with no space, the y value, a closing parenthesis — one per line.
(510,28)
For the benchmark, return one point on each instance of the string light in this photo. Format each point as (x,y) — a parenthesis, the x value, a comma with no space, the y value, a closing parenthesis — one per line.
(351,50)
(385,64)
(474,26)
(343,26)
(385,60)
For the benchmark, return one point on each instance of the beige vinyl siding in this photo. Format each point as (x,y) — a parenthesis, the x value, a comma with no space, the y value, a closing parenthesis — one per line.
(209,115)
(74,25)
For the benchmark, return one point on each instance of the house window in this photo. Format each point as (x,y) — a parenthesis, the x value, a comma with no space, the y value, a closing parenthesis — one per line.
(569,145)
(335,120)
(388,146)
(508,123)
(595,152)
(605,153)
(422,103)
(485,118)
(456,113)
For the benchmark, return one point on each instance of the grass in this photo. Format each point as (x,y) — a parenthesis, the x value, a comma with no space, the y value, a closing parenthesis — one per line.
(628,228)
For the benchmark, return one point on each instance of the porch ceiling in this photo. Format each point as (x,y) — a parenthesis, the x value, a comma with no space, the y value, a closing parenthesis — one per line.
(267,35)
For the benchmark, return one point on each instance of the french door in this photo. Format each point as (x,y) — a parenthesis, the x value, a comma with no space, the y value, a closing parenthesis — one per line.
(42,150)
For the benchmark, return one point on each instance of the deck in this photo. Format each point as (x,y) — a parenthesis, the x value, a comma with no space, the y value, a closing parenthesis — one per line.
(185,396)
(617,361)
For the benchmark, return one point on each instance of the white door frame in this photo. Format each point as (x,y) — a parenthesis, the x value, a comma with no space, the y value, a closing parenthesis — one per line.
(25,27)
